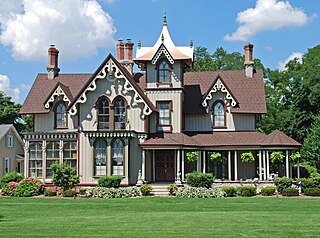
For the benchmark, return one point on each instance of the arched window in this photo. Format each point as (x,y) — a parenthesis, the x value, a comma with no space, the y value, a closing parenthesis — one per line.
(119,107)
(219,114)
(60,115)
(100,158)
(164,72)
(103,113)
(117,157)
(35,160)
(52,156)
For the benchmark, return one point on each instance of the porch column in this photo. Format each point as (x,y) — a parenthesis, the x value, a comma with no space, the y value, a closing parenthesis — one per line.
(26,159)
(182,165)
(143,166)
(204,161)
(154,165)
(109,160)
(199,161)
(260,169)
(229,164)
(44,145)
(264,166)
(235,165)
(126,162)
(298,168)
(178,174)
(268,166)
(287,163)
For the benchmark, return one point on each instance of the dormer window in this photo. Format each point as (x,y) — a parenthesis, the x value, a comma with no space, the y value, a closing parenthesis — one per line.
(60,115)
(164,72)
(219,114)
(103,113)
(119,107)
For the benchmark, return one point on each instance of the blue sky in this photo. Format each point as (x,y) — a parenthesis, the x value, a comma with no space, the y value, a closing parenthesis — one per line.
(85,31)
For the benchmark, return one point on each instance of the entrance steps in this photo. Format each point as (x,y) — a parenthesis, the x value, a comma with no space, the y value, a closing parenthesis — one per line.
(160,189)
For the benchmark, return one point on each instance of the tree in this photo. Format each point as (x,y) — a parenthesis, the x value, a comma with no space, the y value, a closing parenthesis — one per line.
(9,114)
(311,145)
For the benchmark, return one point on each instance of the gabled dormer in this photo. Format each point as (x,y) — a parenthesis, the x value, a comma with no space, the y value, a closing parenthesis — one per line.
(164,62)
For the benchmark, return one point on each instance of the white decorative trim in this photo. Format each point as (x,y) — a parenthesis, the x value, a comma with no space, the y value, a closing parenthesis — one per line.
(111,72)
(58,92)
(163,91)
(163,50)
(219,86)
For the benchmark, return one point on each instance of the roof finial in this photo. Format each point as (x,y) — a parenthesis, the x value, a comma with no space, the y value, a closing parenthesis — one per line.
(162,37)
(164,18)
(139,43)
(191,43)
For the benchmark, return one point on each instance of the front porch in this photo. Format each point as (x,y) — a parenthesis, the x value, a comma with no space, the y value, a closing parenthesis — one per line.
(171,165)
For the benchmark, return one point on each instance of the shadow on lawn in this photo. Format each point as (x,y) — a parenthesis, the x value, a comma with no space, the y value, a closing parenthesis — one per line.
(1,218)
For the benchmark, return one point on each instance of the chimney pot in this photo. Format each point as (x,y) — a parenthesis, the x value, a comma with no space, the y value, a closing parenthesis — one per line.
(120,50)
(129,49)
(52,67)
(248,60)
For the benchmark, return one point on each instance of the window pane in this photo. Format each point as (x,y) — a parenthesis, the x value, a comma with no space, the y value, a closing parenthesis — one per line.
(164,113)
(35,159)
(103,113)
(61,115)
(219,114)
(70,153)
(117,157)
(100,147)
(119,114)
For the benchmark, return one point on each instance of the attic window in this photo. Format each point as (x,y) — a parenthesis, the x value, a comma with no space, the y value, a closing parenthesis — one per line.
(219,114)
(60,115)
(164,72)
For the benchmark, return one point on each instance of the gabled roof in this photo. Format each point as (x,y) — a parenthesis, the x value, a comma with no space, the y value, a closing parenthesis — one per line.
(5,128)
(278,138)
(43,87)
(73,85)
(249,92)
(59,90)
(176,52)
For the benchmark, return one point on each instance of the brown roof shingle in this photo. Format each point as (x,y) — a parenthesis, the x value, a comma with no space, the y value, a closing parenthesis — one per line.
(278,138)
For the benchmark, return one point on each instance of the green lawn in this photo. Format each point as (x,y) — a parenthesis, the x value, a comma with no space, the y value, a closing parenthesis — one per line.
(160,217)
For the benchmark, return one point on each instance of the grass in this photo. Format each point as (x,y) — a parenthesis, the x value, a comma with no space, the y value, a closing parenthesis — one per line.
(160,217)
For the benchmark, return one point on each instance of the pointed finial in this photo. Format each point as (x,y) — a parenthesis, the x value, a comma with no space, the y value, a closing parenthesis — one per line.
(162,37)
(139,43)
(191,43)
(164,19)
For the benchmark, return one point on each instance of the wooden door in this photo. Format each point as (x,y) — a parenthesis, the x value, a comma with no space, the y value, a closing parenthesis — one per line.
(164,165)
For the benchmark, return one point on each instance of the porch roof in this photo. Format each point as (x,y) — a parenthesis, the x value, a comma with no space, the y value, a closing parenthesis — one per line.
(224,139)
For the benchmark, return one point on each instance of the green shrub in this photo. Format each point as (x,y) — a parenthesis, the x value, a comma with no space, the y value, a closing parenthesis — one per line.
(316,182)
(312,171)
(69,193)
(50,192)
(192,192)
(230,191)
(306,182)
(145,189)
(276,157)
(290,192)
(312,192)
(197,179)
(247,157)
(283,183)
(29,187)
(64,175)
(110,181)
(82,191)
(246,191)
(172,188)
(268,191)
(8,189)
(11,177)
(101,192)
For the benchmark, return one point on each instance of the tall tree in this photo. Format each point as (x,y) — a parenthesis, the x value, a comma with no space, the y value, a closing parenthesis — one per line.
(9,114)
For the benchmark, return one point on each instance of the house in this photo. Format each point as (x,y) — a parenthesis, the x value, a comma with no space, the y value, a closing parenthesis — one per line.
(142,125)
(11,150)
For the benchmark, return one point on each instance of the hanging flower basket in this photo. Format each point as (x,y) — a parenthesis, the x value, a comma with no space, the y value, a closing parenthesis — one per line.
(216,157)
(192,156)
(247,157)
(276,157)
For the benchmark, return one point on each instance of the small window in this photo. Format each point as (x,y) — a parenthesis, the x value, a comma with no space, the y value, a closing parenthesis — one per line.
(61,115)
(164,72)
(6,165)
(164,113)
(117,157)
(119,106)
(103,113)
(9,140)
(219,114)
(100,158)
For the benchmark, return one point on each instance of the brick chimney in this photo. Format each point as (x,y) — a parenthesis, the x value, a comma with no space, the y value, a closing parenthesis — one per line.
(248,62)
(120,50)
(126,62)
(52,67)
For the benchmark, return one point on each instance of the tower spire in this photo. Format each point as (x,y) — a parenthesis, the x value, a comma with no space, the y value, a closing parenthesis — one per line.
(164,18)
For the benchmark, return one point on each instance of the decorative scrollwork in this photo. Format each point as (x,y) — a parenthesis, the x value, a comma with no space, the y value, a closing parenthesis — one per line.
(163,50)
(58,92)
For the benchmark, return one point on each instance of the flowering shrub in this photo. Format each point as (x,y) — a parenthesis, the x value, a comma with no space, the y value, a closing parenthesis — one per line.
(29,187)
(100,192)
(9,177)
(192,192)
(9,188)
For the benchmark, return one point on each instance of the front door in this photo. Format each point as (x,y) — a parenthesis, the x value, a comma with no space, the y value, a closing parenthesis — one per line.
(164,165)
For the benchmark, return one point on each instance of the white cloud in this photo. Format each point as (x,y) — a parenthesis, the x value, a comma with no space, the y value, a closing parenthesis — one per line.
(282,64)
(267,15)
(77,28)
(12,92)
